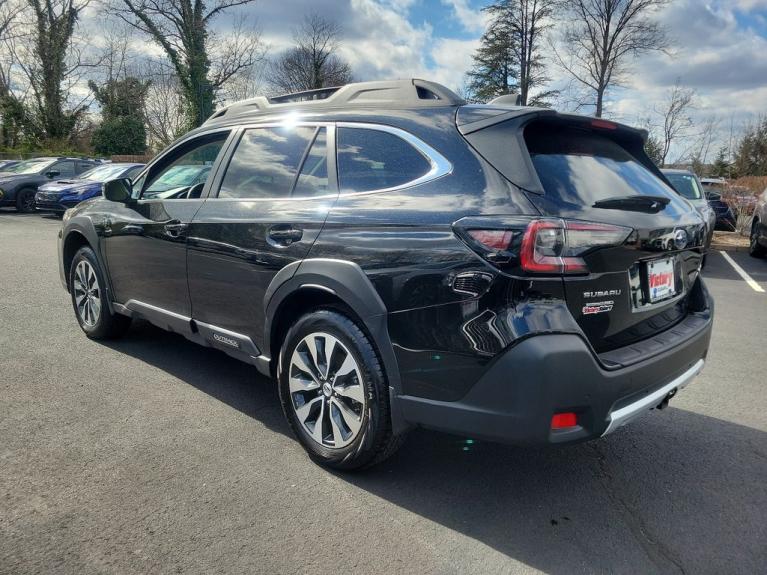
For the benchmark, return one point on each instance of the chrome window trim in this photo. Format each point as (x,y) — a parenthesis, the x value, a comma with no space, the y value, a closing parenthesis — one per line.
(440,166)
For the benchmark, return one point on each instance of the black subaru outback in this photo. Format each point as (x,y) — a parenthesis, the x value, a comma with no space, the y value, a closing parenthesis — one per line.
(394,258)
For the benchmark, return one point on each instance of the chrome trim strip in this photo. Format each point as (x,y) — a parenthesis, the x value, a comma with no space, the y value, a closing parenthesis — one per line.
(622,416)
(138,306)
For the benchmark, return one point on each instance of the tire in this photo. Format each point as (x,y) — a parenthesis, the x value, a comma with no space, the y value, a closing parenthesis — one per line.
(348,395)
(86,287)
(25,201)
(755,249)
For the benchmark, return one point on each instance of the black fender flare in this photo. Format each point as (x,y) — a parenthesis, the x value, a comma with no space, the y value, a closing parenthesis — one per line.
(347,281)
(85,227)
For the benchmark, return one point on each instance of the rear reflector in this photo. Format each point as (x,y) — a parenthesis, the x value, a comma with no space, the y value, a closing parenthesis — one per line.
(604,124)
(493,239)
(564,420)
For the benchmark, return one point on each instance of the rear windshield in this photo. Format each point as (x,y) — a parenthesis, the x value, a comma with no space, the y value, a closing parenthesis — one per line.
(686,185)
(582,167)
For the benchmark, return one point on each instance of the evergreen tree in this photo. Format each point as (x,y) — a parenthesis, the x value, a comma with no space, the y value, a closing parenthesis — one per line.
(509,57)
(751,153)
(122,130)
(654,149)
(721,167)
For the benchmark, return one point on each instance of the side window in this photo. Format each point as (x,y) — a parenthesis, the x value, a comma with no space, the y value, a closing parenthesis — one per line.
(183,174)
(374,160)
(265,163)
(66,169)
(133,172)
(81,167)
(313,179)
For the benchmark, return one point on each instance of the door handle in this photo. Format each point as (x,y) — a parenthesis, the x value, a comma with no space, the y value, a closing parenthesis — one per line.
(285,235)
(175,229)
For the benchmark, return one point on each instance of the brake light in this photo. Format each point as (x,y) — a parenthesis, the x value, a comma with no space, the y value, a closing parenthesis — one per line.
(604,124)
(556,246)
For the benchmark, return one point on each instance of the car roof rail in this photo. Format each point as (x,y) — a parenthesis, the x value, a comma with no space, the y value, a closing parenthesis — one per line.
(412,93)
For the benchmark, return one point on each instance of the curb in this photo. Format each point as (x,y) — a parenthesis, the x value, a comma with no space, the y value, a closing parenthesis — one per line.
(728,247)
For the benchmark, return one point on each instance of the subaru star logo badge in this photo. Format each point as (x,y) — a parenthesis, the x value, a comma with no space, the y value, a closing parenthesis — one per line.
(680,239)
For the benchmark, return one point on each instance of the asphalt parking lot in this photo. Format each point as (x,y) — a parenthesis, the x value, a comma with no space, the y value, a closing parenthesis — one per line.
(153,455)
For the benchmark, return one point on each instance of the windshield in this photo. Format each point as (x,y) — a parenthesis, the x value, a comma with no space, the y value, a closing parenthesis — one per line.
(580,167)
(31,166)
(104,173)
(686,185)
(178,177)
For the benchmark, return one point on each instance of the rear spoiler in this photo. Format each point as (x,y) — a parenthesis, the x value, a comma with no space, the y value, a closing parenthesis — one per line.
(497,134)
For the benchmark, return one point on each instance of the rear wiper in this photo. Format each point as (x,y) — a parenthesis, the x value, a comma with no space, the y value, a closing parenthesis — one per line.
(648,204)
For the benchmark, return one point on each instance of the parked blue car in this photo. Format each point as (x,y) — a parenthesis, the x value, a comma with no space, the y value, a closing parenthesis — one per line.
(59,196)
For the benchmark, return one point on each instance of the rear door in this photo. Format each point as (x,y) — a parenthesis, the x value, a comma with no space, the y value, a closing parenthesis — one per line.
(264,212)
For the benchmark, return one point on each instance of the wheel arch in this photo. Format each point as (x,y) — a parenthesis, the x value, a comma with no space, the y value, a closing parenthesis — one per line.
(77,233)
(340,284)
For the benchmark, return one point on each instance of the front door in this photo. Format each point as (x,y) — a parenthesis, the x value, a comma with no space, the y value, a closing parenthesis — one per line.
(264,212)
(145,240)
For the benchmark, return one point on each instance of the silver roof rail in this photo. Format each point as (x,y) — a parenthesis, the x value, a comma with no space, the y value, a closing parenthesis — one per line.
(413,93)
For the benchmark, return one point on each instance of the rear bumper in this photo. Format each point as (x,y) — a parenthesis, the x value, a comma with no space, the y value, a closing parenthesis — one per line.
(547,374)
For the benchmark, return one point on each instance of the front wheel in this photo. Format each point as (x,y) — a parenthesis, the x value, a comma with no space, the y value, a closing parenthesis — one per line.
(755,249)
(334,393)
(25,201)
(89,300)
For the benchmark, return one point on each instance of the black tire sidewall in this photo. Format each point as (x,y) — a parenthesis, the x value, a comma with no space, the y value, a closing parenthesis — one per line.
(375,423)
(755,249)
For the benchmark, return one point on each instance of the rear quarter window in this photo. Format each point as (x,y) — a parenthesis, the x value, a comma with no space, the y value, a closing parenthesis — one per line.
(371,160)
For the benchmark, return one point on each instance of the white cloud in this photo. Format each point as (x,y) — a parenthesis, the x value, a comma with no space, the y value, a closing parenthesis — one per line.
(471,20)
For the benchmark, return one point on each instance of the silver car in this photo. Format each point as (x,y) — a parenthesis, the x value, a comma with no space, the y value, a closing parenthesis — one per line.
(687,185)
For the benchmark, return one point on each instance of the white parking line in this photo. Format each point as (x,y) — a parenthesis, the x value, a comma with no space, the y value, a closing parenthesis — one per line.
(742,273)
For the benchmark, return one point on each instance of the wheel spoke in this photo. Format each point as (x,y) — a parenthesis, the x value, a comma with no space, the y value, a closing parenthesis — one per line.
(91,277)
(330,345)
(348,366)
(304,411)
(95,308)
(299,384)
(353,391)
(349,417)
(299,360)
(318,425)
(81,275)
(335,424)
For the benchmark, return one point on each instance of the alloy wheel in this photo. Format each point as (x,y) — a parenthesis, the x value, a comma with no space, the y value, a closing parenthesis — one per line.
(28,202)
(326,390)
(87,293)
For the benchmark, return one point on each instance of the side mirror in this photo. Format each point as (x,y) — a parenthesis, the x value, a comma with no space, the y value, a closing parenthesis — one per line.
(52,174)
(117,190)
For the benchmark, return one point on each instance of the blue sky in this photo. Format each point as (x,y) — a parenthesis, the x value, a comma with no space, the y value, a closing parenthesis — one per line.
(720,50)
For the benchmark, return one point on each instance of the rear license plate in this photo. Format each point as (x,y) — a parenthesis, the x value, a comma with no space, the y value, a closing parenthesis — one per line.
(660,279)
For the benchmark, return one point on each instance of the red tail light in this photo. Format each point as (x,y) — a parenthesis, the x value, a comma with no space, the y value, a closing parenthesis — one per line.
(556,246)
(545,246)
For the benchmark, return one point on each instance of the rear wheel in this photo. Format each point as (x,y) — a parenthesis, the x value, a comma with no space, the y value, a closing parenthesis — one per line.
(25,201)
(86,286)
(334,393)
(755,249)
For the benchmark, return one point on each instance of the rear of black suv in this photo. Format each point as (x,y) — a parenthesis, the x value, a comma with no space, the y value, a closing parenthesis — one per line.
(589,313)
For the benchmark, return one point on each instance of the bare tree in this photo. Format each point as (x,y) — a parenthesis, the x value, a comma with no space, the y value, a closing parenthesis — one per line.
(11,108)
(675,117)
(181,29)
(600,38)
(163,105)
(313,62)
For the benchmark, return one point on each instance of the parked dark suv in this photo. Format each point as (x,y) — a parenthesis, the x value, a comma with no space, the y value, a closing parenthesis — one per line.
(18,184)
(397,258)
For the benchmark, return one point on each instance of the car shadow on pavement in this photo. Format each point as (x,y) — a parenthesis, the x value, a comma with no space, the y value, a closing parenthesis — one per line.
(674,492)
(228,380)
